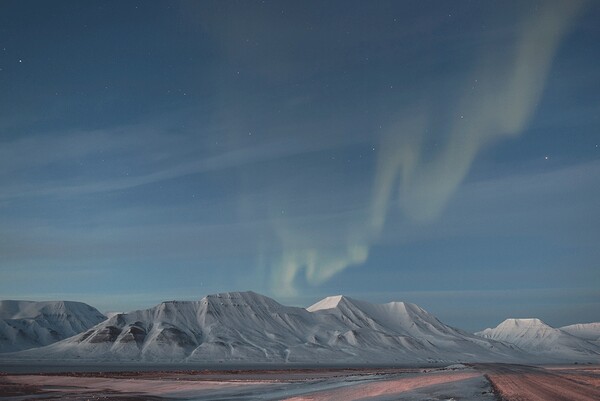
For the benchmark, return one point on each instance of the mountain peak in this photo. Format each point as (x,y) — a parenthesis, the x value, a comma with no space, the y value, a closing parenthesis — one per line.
(587,331)
(249,297)
(236,294)
(535,336)
(523,323)
(327,303)
(518,327)
(20,309)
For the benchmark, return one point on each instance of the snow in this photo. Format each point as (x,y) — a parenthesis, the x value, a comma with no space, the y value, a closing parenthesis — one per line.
(542,340)
(456,366)
(326,303)
(246,327)
(29,324)
(111,314)
(586,331)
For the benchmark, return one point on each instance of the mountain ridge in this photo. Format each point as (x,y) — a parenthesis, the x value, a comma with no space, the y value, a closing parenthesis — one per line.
(31,324)
(242,327)
(587,331)
(541,339)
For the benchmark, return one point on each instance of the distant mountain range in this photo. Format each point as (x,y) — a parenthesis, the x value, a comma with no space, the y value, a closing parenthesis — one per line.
(587,331)
(538,338)
(28,324)
(246,327)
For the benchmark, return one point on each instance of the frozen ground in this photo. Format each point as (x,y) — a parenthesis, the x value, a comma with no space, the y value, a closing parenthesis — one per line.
(456,382)
(528,383)
(353,384)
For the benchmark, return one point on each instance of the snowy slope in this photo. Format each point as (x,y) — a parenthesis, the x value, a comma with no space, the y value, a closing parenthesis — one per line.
(538,338)
(231,326)
(409,331)
(28,324)
(248,327)
(587,331)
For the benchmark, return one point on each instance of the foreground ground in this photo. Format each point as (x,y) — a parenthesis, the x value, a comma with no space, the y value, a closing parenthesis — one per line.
(513,382)
(518,382)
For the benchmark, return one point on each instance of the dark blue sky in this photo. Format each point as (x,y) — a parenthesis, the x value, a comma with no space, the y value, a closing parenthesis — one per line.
(443,153)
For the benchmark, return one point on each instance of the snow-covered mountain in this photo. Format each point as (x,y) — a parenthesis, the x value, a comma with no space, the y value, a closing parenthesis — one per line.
(248,327)
(542,340)
(406,331)
(29,324)
(587,331)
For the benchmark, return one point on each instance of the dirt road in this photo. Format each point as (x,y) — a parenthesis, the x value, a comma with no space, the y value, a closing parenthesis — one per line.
(467,384)
(529,383)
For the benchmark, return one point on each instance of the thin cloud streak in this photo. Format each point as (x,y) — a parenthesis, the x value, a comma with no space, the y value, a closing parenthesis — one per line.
(226,160)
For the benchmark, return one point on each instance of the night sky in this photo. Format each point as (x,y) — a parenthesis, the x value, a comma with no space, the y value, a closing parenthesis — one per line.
(438,152)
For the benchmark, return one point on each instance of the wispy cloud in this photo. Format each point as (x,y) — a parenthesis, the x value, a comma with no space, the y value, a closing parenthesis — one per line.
(170,162)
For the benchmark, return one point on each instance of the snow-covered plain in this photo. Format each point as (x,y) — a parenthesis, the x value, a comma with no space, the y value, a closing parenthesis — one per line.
(29,324)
